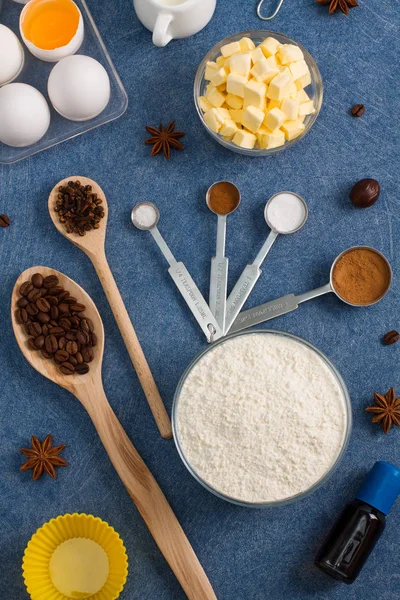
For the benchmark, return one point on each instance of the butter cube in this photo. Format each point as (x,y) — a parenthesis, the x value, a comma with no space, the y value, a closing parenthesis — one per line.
(219,77)
(234,101)
(290,107)
(274,119)
(263,72)
(280,88)
(293,90)
(221,61)
(240,63)
(298,69)
(204,104)
(302,96)
(246,44)
(292,129)
(289,53)
(216,98)
(228,129)
(270,139)
(303,82)
(211,67)
(270,46)
(244,139)
(213,120)
(273,104)
(257,55)
(235,84)
(230,49)
(237,116)
(307,108)
(273,62)
(224,112)
(254,94)
(253,118)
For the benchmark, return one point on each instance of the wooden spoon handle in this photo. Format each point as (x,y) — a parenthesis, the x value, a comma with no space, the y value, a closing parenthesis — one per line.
(132,344)
(148,497)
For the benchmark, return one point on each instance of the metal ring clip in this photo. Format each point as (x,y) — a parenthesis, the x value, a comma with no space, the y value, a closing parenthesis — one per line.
(278,8)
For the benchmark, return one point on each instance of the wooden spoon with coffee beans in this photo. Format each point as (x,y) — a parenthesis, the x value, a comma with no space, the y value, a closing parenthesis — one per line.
(93,245)
(138,480)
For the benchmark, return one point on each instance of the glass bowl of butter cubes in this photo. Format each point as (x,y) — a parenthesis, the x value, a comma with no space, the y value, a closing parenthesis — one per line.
(258,92)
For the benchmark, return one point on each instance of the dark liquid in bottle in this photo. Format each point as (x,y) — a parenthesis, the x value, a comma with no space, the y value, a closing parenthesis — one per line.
(351,541)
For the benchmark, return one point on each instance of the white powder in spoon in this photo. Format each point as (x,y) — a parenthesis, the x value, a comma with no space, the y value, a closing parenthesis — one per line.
(286,212)
(261,417)
(145,215)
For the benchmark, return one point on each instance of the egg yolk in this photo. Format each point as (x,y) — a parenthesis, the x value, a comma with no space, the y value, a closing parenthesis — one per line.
(50,24)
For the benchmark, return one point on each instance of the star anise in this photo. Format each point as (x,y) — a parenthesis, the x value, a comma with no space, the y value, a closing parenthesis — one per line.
(164,139)
(43,457)
(344,5)
(386,410)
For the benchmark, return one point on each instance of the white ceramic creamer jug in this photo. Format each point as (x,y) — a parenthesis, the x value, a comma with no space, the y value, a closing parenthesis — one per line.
(169,19)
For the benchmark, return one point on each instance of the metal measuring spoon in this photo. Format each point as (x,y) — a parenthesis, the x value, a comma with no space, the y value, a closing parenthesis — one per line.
(220,263)
(286,304)
(260,15)
(251,273)
(145,216)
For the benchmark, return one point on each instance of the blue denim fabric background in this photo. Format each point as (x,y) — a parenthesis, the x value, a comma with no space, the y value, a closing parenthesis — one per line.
(247,554)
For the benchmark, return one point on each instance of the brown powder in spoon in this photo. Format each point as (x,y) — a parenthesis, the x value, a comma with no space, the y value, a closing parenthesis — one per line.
(224,198)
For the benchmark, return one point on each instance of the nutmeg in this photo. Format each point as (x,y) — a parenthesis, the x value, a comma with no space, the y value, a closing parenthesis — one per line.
(365,193)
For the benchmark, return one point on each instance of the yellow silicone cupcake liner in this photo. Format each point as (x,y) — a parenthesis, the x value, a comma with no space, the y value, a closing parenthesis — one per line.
(35,564)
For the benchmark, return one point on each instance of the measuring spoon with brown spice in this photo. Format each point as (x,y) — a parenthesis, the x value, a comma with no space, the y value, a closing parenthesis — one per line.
(93,245)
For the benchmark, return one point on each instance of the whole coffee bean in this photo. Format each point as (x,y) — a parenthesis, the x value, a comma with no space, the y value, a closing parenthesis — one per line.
(22,302)
(53,323)
(55,291)
(62,342)
(34,329)
(54,312)
(32,309)
(45,330)
(39,342)
(73,360)
(365,193)
(61,356)
(63,296)
(79,358)
(93,339)
(358,110)
(31,344)
(87,354)
(82,369)
(45,354)
(37,280)
(71,300)
(34,295)
(65,323)
(57,331)
(67,368)
(43,317)
(25,288)
(81,338)
(391,337)
(51,344)
(50,281)
(43,305)
(63,308)
(72,335)
(52,300)
(4,221)
(85,325)
(77,307)
(74,322)
(71,347)
(21,316)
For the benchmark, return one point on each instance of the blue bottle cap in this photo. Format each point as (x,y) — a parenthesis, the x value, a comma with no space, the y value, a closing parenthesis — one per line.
(381,486)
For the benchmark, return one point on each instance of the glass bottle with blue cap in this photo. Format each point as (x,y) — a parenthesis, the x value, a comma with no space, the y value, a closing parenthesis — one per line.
(360,525)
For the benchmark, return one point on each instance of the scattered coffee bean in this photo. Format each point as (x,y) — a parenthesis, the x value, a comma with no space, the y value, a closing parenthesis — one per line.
(78,208)
(358,110)
(365,193)
(4,221)
(56,324)
(391,337)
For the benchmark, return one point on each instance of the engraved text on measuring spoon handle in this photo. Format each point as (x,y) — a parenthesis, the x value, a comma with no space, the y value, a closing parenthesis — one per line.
(264,312)
(240,293)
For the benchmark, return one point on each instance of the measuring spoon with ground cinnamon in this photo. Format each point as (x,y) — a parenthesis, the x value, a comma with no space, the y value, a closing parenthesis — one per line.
(360,276)
(222,199)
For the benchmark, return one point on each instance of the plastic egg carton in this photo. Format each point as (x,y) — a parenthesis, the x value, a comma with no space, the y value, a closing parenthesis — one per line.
(36,73)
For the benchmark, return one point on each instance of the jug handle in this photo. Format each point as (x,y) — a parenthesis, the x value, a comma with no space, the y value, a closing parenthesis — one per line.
(161,37)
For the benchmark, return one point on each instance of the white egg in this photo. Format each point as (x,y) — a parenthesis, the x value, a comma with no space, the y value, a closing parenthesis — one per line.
(12,55)
(79,88)
(25,115)
(49,27)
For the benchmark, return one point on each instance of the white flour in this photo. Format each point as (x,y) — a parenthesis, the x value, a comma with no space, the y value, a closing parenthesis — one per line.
(261,418)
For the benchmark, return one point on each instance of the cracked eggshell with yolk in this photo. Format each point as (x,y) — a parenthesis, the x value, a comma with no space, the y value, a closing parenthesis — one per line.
(51,29)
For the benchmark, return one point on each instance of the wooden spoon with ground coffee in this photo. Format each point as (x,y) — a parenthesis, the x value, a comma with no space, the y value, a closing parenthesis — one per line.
(138,480)
(93,245)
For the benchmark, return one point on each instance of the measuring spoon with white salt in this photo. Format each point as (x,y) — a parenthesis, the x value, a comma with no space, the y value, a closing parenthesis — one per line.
(145,216)
(284,213)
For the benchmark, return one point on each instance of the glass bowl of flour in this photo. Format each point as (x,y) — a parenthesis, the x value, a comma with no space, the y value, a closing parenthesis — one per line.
(261,418)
